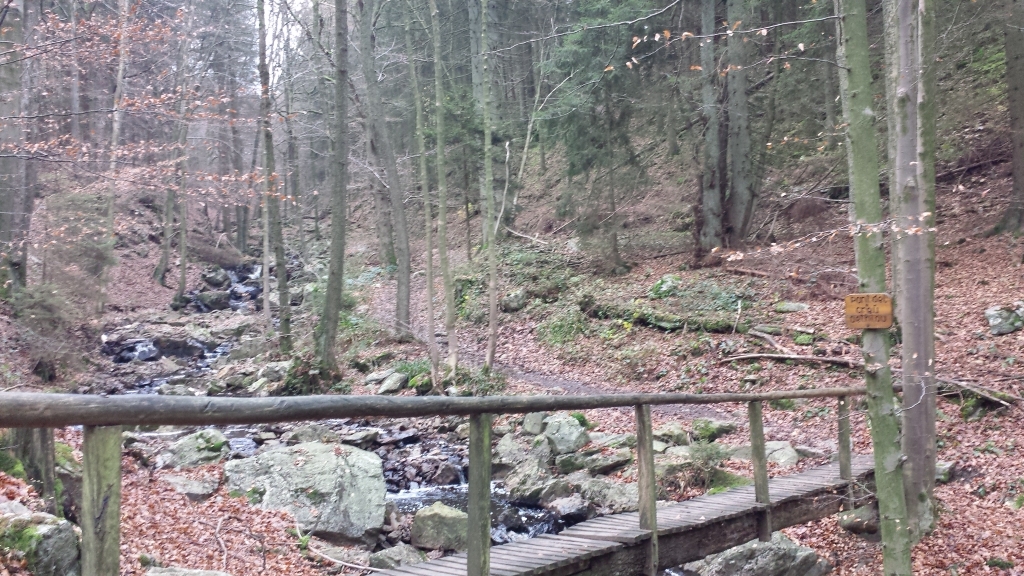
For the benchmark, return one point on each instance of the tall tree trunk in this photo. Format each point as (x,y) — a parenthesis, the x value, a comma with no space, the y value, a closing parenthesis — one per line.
(862,157)
(272,213)
(741,187)
(428,217)
(327,329)
(76,98)
(115,133)
(381,202)
(915,196)
(179,295)
(296,197)
(487,193)
(1013,220)
(382,140)
(35,450)
(12,174)
(441,169)
(710,234)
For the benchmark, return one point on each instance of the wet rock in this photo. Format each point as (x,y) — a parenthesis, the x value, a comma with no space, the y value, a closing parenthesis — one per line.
(215,299)
(1005,319)
(335,491)
(709,430)
(311,433)
(514,301)
(572,509)
(780,557)
(564,433)
(399,555)
(378,377)
(49,544)
(447,474)
(393,383)
(531,483)
(440,527)
(216,277)
(673,433)
(203,447)
(533,423)
(195,490)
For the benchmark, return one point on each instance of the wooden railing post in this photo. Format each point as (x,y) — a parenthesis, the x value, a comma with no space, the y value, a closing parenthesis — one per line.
(647,485)
(845,465)
(479,536)
(101,501)
(760,462)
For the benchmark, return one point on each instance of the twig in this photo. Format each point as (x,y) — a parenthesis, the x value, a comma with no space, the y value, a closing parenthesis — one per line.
(773,342)
(345,564)
(14,387)
(823,359)
(521,235)
(223,548)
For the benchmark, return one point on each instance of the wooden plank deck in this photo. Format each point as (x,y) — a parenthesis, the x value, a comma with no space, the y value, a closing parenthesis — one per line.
(705,524)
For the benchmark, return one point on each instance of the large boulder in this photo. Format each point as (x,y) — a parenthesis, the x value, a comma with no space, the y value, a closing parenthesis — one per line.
(780,557)
(216,277)
(311,433)
(533,423)
(393,383)
(440,527)
(335,491)
(531,483)
(610,497)
(709,430)
(778,451)
(565,433)
(507,454)
(672,433)
(49,544)
(514,301)
(203,447)
(1005,319)
(215,299)
(399,555)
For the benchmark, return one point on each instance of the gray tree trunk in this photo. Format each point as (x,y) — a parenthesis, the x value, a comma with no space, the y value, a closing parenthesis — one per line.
(487,193)
(382,140)
(915,196)
(710,234)
(862,156)
(12,174)
(441,168)
(327,329)
(381,202)
(741,185)
(1013,220)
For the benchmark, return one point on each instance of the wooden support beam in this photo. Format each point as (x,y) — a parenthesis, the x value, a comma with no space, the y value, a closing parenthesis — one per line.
(647,485)
(479,536)
(101,501)
(760,462)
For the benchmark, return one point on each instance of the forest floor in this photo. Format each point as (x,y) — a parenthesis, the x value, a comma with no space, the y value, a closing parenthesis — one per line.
(550,347)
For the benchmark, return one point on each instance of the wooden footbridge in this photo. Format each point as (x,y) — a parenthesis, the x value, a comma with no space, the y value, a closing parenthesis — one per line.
(658,536)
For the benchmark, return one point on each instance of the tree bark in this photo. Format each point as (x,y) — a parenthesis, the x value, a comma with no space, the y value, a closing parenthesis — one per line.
(327,329)
(382,140)
(1013,220)
(741,188)
(710,234)
(441,168)
(381,203)
(12,174)
(487,193)
(915,194)
(855,90)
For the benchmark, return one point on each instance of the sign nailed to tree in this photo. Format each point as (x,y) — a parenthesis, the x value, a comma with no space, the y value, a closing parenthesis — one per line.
(868,311)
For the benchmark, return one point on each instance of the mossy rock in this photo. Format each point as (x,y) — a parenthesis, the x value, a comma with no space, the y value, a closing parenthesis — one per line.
(803,339)
(11,466)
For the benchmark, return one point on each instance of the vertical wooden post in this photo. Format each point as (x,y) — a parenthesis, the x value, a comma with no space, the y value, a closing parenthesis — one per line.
(760,462)
(845,449)
(479,536)
(101,501)
(647,485)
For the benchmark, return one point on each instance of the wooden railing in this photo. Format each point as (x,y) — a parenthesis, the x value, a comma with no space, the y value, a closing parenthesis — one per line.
(103,418)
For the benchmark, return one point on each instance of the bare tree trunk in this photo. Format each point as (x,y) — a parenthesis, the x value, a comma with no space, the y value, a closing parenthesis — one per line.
(327,329)
(710,234)
(862,156)
(741,188)
(272,212)
(487,193)
(382,141)
(297,198)
(915,195)
(115,131)
(76,98)
(12,174)
(428,218)
(381,203)
(441,170)
(1013,220)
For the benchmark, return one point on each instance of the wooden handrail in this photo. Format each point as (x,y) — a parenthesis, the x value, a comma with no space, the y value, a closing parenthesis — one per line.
(38,410)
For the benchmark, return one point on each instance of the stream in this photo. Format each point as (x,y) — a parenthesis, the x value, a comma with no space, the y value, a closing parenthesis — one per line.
(424,461)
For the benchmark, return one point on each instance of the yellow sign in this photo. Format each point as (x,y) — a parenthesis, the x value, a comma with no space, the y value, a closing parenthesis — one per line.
(868,311)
